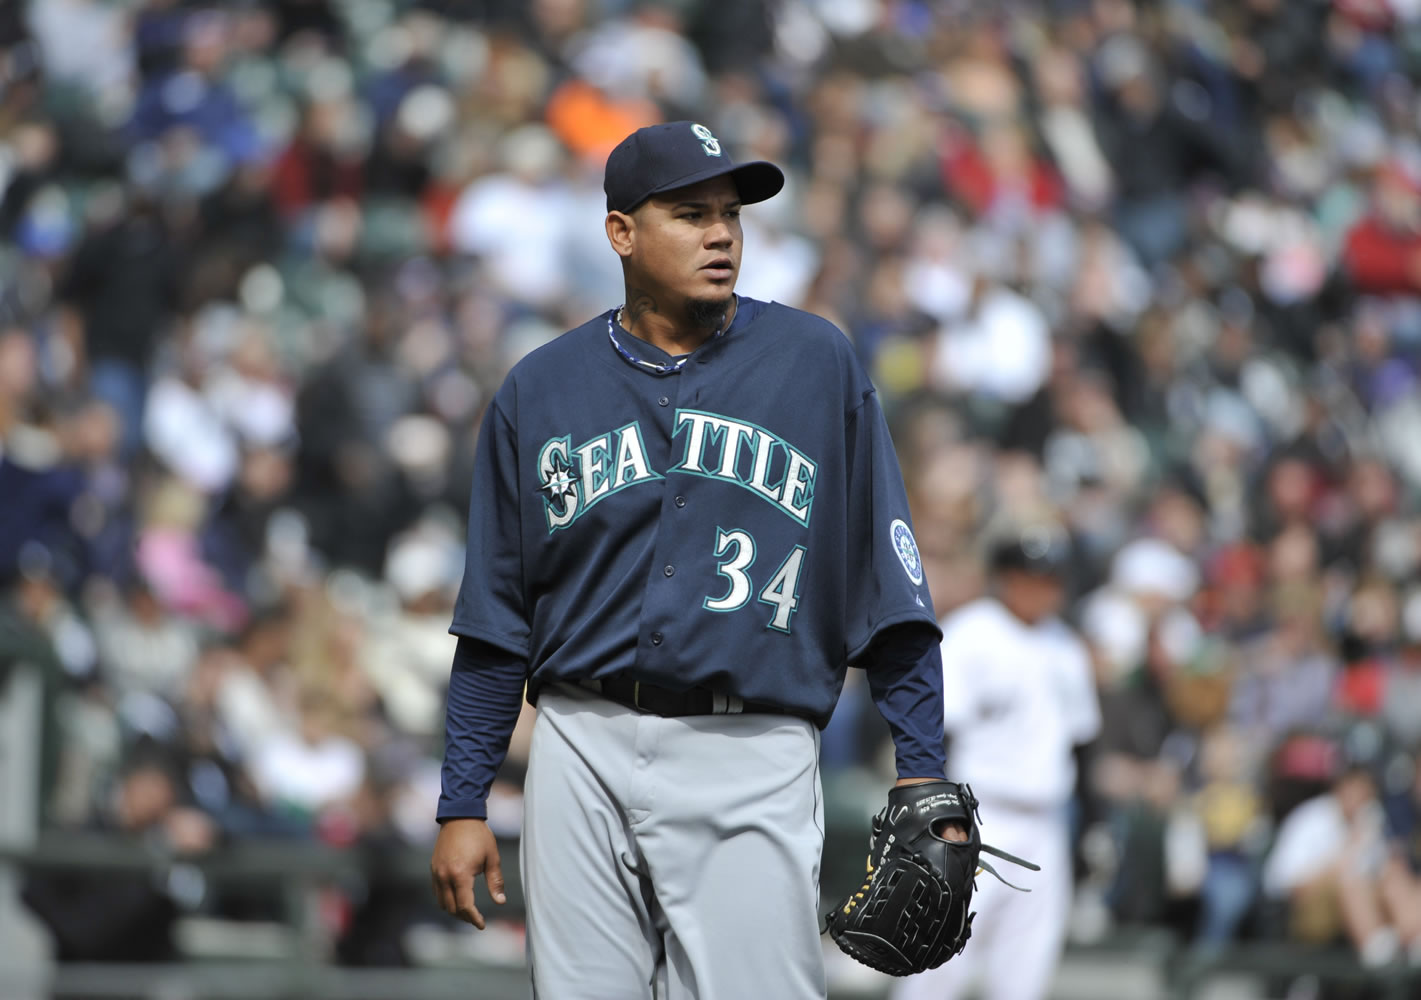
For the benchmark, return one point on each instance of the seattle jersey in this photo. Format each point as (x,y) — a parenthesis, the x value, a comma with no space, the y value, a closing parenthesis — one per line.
(739,524)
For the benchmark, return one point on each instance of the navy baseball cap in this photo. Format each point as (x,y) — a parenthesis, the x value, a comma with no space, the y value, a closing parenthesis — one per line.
(664,157)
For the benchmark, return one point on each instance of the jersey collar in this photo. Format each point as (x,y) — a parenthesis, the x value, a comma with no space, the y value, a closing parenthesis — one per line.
(670,367)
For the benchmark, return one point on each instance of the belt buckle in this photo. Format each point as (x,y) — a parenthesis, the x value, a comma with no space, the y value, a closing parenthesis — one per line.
(636,696)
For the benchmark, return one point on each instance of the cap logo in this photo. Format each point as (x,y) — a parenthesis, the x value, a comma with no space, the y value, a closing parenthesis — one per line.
(709,142)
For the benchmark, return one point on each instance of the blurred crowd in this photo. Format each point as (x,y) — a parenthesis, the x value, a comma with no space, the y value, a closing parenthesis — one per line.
(1150,268)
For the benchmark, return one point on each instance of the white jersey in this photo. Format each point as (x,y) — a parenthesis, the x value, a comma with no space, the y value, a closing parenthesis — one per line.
(1018,698)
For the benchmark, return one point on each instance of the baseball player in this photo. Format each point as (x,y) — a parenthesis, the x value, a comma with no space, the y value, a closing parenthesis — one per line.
(1019,698)
(687,521)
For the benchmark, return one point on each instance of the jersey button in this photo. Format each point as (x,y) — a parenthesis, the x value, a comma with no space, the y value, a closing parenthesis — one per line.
(680,501)
(665,400)
(669,570)
(656,638)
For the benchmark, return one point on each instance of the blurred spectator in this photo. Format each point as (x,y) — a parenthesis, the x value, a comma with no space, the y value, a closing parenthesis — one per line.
(184,430)
(120,917)
(303,772)
(408,652)
(1157,144)
(188,116)
(645,54)
(999,349)
(1066,129)
(123,282)
(525,257)
(1288,678)
(323,161)
(1401,705)
(1334,866)
(255,697)
(1231,813)
(389,906)
(140,647)
(1382,250)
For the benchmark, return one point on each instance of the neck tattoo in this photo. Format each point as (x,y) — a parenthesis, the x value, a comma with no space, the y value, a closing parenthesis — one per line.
(614,320)
(621,317)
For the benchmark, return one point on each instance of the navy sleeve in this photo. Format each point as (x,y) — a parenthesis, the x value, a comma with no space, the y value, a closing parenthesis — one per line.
(905,679)
(885,572)
(491,604)
(485,697)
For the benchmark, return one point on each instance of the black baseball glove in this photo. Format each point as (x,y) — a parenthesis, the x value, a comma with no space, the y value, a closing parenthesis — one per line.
(912,912)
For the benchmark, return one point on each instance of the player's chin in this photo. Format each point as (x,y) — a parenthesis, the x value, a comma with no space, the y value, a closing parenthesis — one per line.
(707,305)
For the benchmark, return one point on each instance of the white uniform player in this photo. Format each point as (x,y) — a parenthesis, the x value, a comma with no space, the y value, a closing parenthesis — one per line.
(1019,698)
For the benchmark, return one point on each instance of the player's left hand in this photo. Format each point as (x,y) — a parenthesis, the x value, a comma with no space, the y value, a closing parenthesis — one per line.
(947,830)
(913,911)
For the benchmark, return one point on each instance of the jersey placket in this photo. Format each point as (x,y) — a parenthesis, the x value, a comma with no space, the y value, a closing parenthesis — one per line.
(664,604)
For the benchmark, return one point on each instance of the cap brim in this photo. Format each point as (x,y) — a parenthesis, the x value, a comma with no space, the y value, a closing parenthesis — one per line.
(758,180)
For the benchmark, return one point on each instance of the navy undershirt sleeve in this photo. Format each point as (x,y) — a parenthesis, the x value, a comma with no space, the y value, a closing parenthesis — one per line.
(485,697)
(905,679)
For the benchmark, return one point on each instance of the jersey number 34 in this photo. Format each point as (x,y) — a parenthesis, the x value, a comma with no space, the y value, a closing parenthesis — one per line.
(736,550)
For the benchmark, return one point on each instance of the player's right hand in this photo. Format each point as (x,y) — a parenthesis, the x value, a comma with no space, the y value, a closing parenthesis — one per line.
(465,848)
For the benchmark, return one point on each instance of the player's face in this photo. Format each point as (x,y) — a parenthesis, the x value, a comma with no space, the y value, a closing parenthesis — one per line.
(686,244)
(1031,596)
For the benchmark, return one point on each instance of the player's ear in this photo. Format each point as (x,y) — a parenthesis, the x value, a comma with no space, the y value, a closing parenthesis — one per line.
(621,233)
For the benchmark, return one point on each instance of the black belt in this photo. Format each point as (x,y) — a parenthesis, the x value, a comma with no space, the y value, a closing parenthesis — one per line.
(654,700)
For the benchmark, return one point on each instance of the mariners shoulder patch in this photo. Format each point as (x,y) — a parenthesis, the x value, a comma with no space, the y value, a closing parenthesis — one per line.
(907,550)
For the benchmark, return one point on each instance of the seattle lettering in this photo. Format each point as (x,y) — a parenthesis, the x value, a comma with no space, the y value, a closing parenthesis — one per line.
(714,447)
